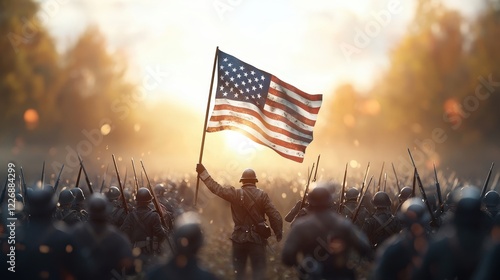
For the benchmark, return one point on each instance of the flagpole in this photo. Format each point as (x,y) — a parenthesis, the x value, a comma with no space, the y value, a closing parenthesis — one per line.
(205,124)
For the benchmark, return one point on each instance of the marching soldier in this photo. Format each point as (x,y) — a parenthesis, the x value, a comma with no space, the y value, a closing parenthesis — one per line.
(64,212)
(491,201)
(458,248)
(382,224)
(247,242)
(399,256)
(404,194)
(349,207)
(184,264)
(44,249)
(143,226)
(323,239)
(78,204)
(107,251)
(118,214)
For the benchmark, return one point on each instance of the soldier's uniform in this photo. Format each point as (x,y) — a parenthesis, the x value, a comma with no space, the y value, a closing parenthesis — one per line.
(64,212)
(399,256)
(349,207)
(118,214)
(143,226)
(247,243)
(107,251)
(44,249)
(382,224)
(324,239)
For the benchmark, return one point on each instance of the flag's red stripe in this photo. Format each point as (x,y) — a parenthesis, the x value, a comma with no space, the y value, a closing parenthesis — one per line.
(313,97)
(273,140)
(266,113)
(257,128)
(294,101)
(256,140)
(290,111)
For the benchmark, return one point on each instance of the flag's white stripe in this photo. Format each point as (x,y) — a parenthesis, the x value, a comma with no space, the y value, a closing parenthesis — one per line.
(298,110)
(292,94)
(272,145)
(258,123)
(273,122)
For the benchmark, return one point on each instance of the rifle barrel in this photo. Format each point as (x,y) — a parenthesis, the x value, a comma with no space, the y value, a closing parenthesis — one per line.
(125,204)
(307,187)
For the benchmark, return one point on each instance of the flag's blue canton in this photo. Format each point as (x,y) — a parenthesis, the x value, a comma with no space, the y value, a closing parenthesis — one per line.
(241,81)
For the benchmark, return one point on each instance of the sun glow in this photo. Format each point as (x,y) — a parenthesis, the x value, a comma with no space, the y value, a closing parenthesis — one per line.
(240,144)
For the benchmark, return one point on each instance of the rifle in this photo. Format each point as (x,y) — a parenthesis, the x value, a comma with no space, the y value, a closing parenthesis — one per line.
(157,206)
(396,175)
(135,177)
(78,177)
(385,181)
(307,188)
(438,190)
(125,204)
(316,171)
(421,187)
(56,185)
(485,186)
(89,184)
(364,179)
(42,181)
(104,178)
(414,183)
(341,202)
(380,176)
(358,207)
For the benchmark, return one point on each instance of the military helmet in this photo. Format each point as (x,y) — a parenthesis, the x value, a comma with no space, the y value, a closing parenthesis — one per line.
(320,197)
(97,206)
(66,197)
(381,200)
(159,189)
(491,199)
(113,193)
(78,193)
(352,194)
(405,193)
(188,235)
(249,176)
(19,198)
(414,211)
(143,195)
(468,213)
(40,203)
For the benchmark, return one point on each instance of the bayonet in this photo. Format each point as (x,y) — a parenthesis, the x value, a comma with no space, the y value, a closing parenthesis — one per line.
(89,184)
(56,184)
(341,202)
(124,201)
(380,176)
(421,187)
(396,175)
(438,190)
(135,177)
(307,187)
(358,207)
(485,186)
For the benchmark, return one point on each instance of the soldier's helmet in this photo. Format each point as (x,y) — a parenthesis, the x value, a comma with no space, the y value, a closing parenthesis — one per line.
(188,235)
(468,213)
(320,197)
(41,203)
(160,189)
(98,207)
(414,211)
(49,187)
(351,194)
(19,198)
(143,196)
(78,193)
(249,176)
(381,200)
(66,197)
(113,193)
(491,199)
(404,194)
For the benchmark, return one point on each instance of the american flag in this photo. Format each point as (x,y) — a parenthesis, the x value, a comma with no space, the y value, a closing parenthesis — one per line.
(263,108)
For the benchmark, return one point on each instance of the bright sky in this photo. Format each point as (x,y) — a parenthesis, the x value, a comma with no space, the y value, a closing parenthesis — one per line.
(305,43)
(299,41)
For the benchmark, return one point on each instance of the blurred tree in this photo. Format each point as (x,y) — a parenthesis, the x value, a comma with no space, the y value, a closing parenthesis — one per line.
(29,73)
